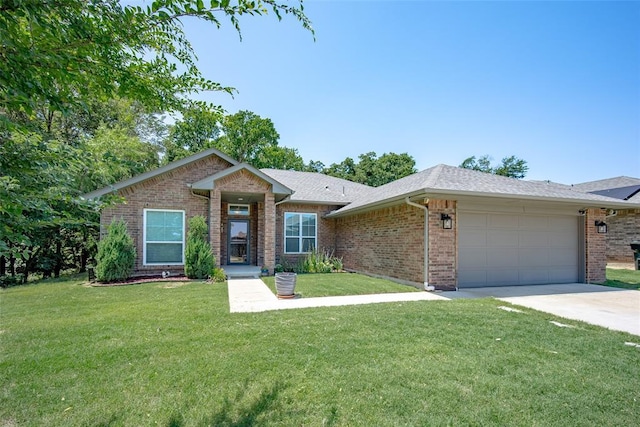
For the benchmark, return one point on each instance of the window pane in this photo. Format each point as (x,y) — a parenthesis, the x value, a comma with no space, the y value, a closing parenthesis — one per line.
(239,210)
(309,226)
(155,234)
(171,234)
(308,244)
(164,253)
(164,226)
(292,225)
(292,244)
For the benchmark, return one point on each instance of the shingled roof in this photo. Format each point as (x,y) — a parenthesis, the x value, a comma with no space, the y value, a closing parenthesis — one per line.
(455,181)
(311,187)
(620,187)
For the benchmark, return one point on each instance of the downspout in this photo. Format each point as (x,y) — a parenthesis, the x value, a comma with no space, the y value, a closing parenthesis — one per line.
(427,287)
(208,199)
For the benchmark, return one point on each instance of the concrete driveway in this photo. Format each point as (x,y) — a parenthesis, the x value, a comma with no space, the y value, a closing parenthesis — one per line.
(613,308)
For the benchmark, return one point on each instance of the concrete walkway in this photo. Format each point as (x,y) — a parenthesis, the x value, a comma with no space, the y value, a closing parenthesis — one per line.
(612,308)
(252,296)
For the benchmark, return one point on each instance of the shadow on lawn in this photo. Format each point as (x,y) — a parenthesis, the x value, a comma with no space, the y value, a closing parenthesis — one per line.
(237,412)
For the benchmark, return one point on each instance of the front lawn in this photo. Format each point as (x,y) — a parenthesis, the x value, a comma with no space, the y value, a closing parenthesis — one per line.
(172,355)
(619,278)
(339,284)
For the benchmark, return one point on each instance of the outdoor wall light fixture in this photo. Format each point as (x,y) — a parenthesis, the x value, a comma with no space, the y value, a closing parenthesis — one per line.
(601,227)
(447,222)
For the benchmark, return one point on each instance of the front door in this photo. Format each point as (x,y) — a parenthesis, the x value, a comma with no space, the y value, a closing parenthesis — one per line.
(238,241)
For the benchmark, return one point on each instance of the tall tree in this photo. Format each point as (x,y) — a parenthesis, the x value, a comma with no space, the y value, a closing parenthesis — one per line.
(510,166)
(245,135)
(195,131)
(373,170)
(249,138)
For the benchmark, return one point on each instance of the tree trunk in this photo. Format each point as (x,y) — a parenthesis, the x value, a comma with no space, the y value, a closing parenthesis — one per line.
(58,266)
(12,266)
(3,265)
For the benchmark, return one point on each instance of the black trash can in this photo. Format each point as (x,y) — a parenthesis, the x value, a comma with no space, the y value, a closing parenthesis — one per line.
(635,246)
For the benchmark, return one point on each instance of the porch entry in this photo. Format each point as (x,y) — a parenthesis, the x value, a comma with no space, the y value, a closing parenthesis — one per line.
(238,239)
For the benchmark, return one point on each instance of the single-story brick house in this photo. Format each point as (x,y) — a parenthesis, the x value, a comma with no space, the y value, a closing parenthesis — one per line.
(445,227)
(624,224)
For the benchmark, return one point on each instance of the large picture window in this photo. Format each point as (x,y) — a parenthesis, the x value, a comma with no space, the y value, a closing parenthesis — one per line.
(163,237)
(300,232)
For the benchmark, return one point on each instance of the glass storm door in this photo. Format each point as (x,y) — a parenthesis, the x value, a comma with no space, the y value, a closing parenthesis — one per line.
(238,241)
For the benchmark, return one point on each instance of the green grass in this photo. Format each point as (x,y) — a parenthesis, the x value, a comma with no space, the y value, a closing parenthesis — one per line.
(153,354)
(339,284)
(627,279)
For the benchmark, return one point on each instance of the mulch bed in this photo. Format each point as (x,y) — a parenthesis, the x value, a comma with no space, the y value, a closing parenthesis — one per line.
(142,279)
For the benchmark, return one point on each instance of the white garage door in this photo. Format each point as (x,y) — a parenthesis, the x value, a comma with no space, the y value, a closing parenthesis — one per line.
(512,249)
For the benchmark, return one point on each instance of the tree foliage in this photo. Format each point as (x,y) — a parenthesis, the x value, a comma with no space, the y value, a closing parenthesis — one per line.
(62,53)
(511,166)
(245,135)
(371,169)
(194,132)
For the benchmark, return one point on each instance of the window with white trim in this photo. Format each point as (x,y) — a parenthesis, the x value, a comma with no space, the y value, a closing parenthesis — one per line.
(300,232)
(163,237)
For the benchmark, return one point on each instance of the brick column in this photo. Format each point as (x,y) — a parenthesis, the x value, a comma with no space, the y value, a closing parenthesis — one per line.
(214,224)
(443,252)
(595,246)
(260,240)
(269,231)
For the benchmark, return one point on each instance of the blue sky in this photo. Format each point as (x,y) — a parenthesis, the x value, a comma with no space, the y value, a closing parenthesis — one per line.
(554,83)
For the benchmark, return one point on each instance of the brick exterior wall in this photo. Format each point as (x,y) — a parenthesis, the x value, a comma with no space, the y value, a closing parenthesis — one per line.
(326,231)
(595,247)
(443,249)
(167,191)
(386,242)
(624,228)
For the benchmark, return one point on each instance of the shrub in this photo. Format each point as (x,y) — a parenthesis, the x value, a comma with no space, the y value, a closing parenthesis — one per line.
(116,254)
(199,259)
(318,261)
(218,275)
(9,281)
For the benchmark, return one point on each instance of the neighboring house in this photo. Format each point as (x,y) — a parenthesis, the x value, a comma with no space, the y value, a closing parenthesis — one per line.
(624,224)
(503,231)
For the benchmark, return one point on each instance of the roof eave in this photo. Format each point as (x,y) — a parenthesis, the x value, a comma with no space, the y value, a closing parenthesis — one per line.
(430,192)
(209,182)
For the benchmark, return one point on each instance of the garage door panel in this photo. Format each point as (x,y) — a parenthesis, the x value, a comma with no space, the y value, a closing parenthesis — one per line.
(473,278)
(534,222)
(503,277)
(562,257)
(502,238)
(476,220)
(533,257)
(562,223)
(501,258)
(564,239)
(534,276)
(503,221)
(562,275)
(473,238)
(511,249)
(539,239)
(472,258)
